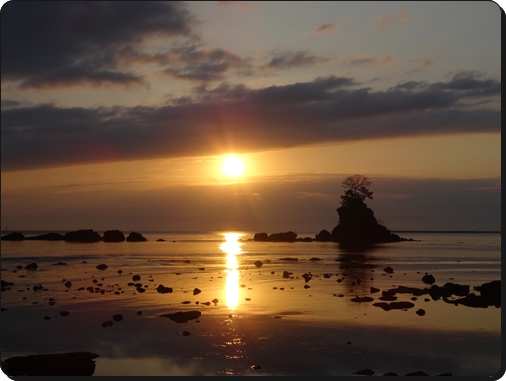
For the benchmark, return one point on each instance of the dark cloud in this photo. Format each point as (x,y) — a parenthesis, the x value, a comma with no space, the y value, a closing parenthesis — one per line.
(288,59)
(324,29)
(328,109)
(74,42)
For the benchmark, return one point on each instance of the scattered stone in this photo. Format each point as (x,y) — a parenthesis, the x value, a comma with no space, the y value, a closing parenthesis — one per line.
(139,313)
(186,333)
(60,264)
(83,235)
(374,290)
(418,373)
(420,312)
(68,284)
(258,264)
(117,317)
(256,367)
(388,270)
(113,236)
(361,299)
(215,301)
(307,277)
(315,259)
(390,374)
(428,279)
(196,291)
(107,323)
(31,266)
(182,317)
(64,313)
(136,278)
(286,274)
(163,290)
(136,237)
(102,266)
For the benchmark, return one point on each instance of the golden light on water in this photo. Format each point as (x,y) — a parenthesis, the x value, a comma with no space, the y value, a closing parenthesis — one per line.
(232,247)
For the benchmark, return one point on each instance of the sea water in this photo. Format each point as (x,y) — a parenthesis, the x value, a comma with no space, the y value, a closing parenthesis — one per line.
(235,276)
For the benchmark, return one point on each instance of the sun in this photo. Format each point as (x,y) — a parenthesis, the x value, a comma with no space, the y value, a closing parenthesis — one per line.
(232,166)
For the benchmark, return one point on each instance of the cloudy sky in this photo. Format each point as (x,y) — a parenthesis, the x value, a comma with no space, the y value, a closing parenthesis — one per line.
(117,115)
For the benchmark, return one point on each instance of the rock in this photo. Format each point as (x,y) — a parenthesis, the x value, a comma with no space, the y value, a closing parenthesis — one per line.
(394,305)
(365,372)
(258,264)
(182,317)
(186,333)
(102,266)
(262,237)
(47,237)
(428,279)
(361,299)
(107,323)
(113,236)
(307,277)
(388,270)
(60,264)
(420,312)
(283,237)
(136,278)
(13,237)
(83,235)
(6,284)
(68,284)
(163,290)
(61,364)
(286,274)
(136,237)
(418,373)
(390,374)
(357,225)
(314,259)
(64,313)
(323,236)
(160,240)
(32,266)
(196,291)
(374,290)
(117,317)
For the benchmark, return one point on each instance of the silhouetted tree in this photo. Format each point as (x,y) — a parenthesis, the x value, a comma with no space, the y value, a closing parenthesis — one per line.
(356,189)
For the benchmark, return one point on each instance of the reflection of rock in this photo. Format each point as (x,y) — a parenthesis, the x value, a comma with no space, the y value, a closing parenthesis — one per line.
(113,236)
(182,317)
(136,237)
(62,364)
(490,296)
(83,235)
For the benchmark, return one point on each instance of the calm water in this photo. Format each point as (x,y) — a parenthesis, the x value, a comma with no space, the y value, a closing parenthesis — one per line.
(223,268)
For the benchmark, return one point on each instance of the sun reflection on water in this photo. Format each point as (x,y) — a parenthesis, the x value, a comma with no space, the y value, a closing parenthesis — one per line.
(232,247)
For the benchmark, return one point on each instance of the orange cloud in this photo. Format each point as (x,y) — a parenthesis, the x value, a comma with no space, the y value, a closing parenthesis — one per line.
(324,29)
(386,22)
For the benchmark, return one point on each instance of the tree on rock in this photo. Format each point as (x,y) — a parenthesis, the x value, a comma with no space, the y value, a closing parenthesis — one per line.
(356,189)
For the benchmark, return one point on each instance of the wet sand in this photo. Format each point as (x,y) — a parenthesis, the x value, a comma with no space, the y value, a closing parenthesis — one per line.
(260,323)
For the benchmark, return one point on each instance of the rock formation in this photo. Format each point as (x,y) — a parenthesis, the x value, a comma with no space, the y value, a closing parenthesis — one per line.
(357,224)
(84,235)
(113,236)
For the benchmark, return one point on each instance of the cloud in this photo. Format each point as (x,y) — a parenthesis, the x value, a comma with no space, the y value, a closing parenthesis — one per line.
(76,42)
(324,29)
(289,59)
(371,60)
(387,22)
(235,5)
(234,117)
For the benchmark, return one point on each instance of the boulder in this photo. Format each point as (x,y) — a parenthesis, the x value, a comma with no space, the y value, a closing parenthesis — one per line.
(263,237)
(83,235)
(113,236)
(182,317)
(283,237)
(136,237)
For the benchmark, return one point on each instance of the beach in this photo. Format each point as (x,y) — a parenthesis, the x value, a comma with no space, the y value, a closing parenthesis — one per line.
(254,308)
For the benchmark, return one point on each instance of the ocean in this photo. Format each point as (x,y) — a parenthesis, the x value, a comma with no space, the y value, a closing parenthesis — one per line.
(227,274)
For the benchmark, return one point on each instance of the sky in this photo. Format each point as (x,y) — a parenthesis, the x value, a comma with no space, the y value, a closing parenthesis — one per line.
(118,115)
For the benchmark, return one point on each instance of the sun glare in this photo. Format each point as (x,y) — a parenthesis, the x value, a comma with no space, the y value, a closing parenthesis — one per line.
(232,166)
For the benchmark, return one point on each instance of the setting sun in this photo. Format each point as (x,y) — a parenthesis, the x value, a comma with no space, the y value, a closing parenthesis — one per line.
(232,166)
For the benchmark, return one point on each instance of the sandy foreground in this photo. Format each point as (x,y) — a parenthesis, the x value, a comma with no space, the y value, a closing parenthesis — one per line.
(257,324)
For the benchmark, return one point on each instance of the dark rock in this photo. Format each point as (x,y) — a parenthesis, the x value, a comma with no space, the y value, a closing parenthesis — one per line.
(47,237)
(32,266)
(182,317)
(68,284)
(61,364)
(60,264)
(13,237)
(286,274)
(428,279)
(314,259)
(357,224)
(361,299)
(418,373)
(102,266)
(6,284)
(258,264)
(163,290)
(305,239)
(107,323)
(390,374)
(64,313)
(196,291)
(394,305)
(374,290)
(490,295)
(117,317)
(113,236)
(136,278)
(136,237)
(289,259)
(365,372)
(420,312)
(186,333)
(160,240)
(323,236)
(83,235)
(388,270)
(262,237)
(283,237)
(307,277)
